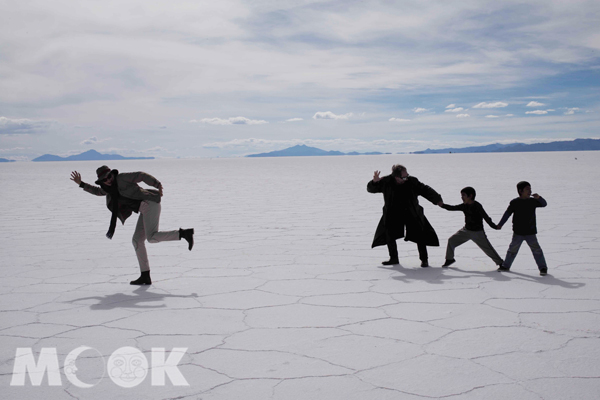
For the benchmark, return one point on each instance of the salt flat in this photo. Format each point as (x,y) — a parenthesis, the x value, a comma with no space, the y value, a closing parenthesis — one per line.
(282,297)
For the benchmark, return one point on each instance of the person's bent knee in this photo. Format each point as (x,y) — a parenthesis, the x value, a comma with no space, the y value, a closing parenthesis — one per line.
(151,239)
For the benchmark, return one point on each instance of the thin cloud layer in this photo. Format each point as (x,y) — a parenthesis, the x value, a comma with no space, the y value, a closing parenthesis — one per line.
(497,104)
(232,121)
(399,120)
(535,104)
(330,115)
(537,112)
(16,126)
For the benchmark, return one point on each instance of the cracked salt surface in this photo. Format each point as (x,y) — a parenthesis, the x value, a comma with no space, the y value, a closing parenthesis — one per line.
(282,297)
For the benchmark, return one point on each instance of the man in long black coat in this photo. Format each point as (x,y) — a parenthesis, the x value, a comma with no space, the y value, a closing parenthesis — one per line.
(402,211)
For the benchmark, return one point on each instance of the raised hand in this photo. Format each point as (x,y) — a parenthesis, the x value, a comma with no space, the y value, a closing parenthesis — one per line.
(535,196)
(76,177)
(376,177)
(160,189)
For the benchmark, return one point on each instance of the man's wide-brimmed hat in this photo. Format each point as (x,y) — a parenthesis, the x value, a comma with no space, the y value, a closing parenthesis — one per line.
(102,173)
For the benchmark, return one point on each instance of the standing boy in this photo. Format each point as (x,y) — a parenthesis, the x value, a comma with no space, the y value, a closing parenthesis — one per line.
(473,229)
(124,197)
(524,226)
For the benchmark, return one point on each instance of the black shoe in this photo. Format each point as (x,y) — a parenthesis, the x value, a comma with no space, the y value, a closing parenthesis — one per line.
(187,234)
(544,272)
(424,264)
(144,279)
(392,261)
(502,268)
(448,263)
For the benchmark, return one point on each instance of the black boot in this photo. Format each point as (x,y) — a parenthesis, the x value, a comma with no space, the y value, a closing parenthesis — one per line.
(144,279)
(187,234)
(392,261)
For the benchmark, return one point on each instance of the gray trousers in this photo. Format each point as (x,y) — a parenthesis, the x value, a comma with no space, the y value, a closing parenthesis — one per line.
(515,245)
(147,228)
(480,239)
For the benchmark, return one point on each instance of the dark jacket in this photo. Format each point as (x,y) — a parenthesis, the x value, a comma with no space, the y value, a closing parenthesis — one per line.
(474,215)
(524,222)
(402,210)
(129,189)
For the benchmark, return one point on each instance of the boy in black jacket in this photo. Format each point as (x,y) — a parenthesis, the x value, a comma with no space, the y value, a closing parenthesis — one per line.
(524,226)
(473,229)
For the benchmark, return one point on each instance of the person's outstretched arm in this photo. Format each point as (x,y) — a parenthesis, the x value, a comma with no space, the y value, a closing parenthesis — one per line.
(487,218)
(375,185)
(458,207)
(95,190)
(506,215)
(428,192)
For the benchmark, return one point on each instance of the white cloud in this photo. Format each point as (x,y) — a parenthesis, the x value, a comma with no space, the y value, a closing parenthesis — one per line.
(491,116)
(398,120)
(231,121)
(535,104)
(463,116)
(571,111)
(510,115)
(294,119)
(330,115)
(537,112)
(454,110)
(418,110)
(451,106)
(13,126)
(93,140)
(497,104)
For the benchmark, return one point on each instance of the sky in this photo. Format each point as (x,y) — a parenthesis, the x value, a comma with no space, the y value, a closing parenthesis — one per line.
(231,78)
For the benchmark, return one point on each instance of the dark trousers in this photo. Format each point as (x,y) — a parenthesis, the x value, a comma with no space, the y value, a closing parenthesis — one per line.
(515,245)
(393,248)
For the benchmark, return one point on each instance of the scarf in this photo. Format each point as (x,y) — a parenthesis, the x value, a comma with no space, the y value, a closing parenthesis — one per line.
(113,190)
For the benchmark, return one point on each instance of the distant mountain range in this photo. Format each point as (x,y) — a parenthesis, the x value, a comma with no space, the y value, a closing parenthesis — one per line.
(90,155)
(570,145)
(303,150)
(6,160)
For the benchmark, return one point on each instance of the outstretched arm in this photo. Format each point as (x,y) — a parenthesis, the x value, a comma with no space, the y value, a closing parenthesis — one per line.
(487,218)
(375,185)
(95,190)
(506,215)
(428,192)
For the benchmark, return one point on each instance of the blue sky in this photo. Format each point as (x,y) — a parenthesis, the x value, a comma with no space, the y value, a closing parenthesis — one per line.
(187,79)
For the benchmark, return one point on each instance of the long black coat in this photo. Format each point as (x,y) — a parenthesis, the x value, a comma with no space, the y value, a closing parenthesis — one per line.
(394,220)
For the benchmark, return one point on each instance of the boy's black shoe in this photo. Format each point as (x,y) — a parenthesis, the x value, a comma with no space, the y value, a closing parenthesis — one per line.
(502,268)
(424,264)
(392,261)
(448,263)
(544,272)
(144,279)
(187,234)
